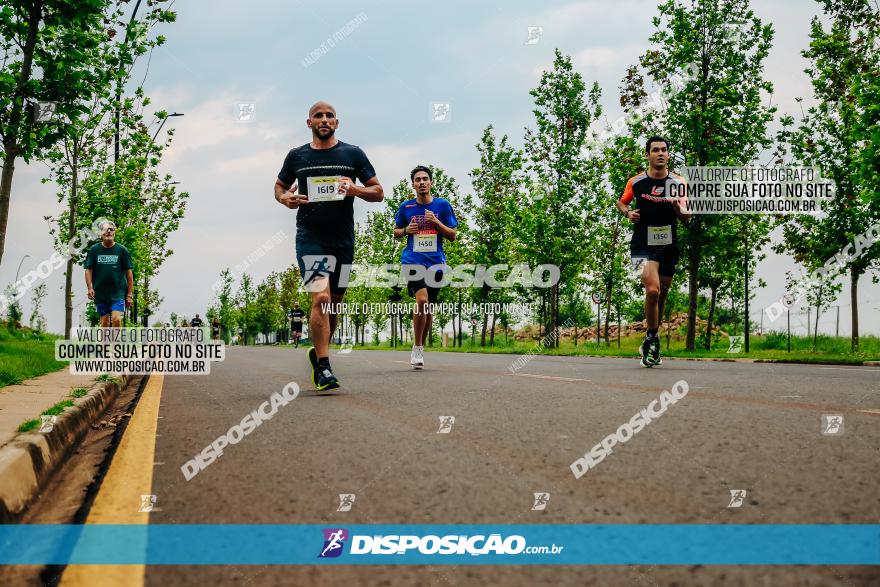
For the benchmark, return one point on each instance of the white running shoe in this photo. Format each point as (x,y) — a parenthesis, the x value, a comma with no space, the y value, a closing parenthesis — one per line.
(416,359)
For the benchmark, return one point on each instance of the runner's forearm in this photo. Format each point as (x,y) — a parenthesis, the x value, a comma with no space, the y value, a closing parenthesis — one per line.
(279,190)
(448,233)
(372,193)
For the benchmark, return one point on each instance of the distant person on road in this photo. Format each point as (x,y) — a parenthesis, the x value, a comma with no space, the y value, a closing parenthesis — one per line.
(109,277)
(196,322)
(296,323)
(660,201)
(318,180)
(215,328)
(425,222)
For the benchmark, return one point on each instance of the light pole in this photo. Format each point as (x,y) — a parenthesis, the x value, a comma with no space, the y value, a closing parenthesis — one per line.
(19,267)
(164,120)
(134,305)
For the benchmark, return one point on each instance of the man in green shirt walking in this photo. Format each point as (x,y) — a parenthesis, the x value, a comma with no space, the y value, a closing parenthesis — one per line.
(108,277)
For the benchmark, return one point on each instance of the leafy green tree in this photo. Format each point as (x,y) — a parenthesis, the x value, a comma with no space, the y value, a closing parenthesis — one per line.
(92,315)
(832,137)
(730,241)
(13,309)
(270,314)
(820,293)
(37,320)
(621,159)
(555,226)
(496,183)
(247,319)
(713,51)
(226,306)
(48,48)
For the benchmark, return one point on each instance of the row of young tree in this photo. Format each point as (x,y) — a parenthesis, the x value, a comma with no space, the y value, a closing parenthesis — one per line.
(552,201)
(721,116)
(102,148)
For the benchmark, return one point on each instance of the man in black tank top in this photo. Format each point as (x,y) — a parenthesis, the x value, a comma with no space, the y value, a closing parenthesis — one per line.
(660,200)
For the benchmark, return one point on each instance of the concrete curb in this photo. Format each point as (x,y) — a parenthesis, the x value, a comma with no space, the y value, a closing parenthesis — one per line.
(29,460)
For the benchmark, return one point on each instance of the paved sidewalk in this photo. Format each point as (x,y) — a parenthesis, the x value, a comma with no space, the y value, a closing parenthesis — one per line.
(27,400)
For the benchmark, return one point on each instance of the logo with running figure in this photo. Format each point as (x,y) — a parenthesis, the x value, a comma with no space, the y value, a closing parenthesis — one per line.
(47,423)
(441,112)
(541,500)
(246,112)
(736,344)
(346,345)
(317,268)
(346,500)
(832,424)
(148,503)
(45,111)
(446,423)
(334,542)
(737,497)
(637,265)
(534,35)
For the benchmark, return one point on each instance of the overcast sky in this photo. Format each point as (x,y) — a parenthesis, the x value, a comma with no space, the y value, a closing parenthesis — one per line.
(397,58)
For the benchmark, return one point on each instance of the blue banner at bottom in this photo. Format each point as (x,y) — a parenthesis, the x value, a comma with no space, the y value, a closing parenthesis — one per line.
(482,544)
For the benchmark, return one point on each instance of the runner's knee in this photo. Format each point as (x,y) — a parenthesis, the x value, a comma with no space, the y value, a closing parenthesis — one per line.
(321,297)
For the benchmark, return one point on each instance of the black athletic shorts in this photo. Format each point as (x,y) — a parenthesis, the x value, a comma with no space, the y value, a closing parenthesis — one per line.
(317,259)
(666,255)
(433,292)
(298,327)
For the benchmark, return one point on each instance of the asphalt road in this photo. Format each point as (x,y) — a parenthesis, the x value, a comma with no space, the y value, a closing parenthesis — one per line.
(750,426)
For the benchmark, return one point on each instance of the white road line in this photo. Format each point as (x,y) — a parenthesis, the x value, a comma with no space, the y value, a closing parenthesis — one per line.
(552,377)
(869,411)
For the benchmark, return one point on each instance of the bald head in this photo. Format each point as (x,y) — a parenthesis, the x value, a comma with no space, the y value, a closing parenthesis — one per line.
(321,105)
(323,122)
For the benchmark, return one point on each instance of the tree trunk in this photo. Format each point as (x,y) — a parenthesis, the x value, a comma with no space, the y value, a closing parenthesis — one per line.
(556,333)
(711,317)
(854,302)
(607,322)
(454,336)
(10,146)
(71,230)
(816,324)
(144,315)
(5,191)
(694,252)
(483,333)
(492,332)
(619,326)
(541,325)
(458,312)
(693,267)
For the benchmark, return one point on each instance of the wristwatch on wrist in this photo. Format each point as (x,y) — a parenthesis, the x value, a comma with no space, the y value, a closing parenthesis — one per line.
(626,214)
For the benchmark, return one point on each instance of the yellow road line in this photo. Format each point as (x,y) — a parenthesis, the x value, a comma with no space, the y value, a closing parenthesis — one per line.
(130,476)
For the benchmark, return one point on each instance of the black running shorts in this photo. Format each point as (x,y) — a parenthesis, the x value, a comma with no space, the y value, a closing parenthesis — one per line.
(666,255)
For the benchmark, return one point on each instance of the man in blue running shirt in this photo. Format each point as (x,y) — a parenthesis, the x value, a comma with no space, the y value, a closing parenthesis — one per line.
(426,222)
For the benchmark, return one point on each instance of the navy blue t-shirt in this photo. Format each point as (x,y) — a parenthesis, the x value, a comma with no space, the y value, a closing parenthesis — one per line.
(426,247)
(330,222)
